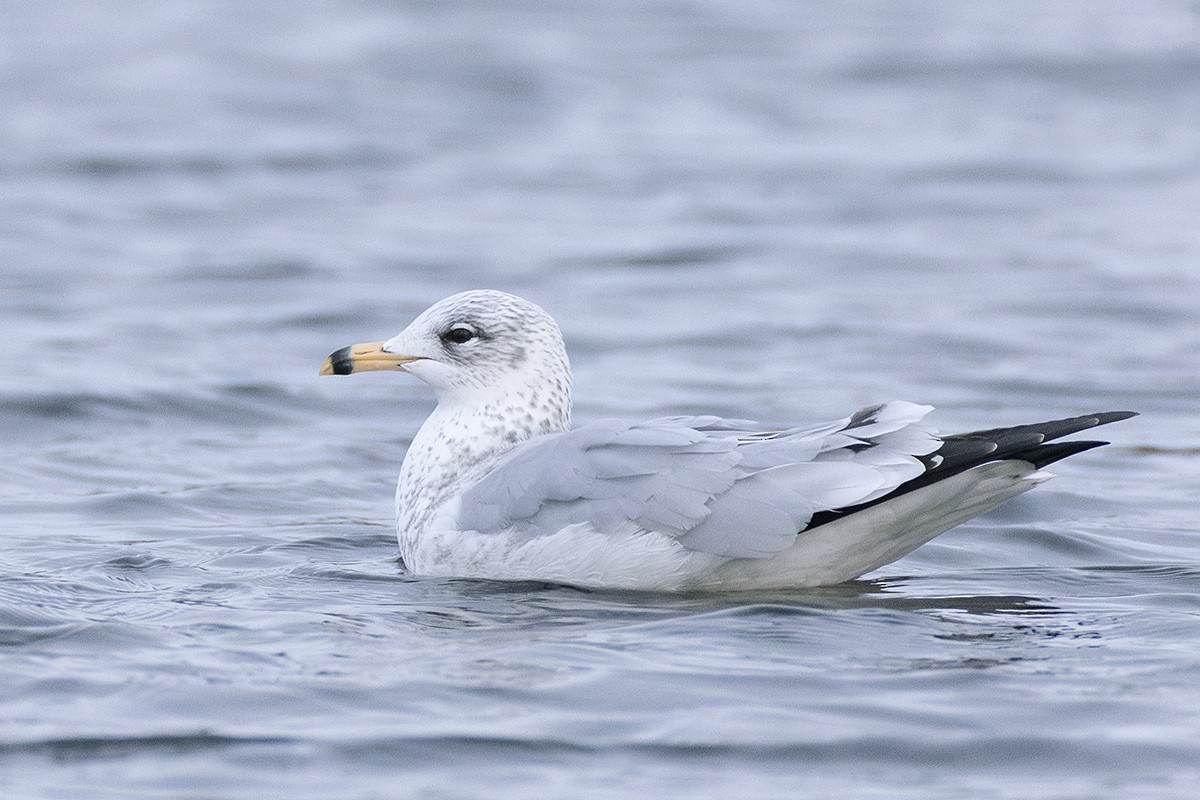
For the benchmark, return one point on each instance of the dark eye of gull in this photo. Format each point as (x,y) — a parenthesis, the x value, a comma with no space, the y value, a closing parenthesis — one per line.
(459,334)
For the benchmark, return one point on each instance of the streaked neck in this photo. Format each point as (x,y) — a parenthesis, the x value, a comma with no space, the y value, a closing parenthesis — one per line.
(462,434)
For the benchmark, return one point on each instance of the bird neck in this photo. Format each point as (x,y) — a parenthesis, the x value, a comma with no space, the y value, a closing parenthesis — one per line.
(463,433)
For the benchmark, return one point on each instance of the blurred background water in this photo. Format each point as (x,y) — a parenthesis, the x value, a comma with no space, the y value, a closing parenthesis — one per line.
(772,210)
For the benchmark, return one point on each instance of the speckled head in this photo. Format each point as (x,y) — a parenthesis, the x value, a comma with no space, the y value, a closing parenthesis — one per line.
(472,347)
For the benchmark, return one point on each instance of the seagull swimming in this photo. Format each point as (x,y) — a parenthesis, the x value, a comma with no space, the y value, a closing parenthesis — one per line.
(497,484)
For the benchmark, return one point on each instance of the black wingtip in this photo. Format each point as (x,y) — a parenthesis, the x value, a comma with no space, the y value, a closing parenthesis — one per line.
(1048,431)
(1049,453)
(1106,417)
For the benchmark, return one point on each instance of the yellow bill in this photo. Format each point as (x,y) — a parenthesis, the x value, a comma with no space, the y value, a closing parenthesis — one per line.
(363,358)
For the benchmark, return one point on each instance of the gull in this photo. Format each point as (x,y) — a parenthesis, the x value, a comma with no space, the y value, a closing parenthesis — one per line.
(498,485)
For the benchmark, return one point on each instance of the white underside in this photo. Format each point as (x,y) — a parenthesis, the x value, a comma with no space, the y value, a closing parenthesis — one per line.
(633,558)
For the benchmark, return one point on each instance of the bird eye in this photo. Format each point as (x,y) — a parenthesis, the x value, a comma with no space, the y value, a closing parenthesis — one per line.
(459,334)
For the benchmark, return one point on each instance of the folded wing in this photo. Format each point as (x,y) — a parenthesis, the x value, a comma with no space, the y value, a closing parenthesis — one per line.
(729,488)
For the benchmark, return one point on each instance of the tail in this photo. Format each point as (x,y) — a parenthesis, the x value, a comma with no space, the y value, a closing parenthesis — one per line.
(963,451)
(969,474)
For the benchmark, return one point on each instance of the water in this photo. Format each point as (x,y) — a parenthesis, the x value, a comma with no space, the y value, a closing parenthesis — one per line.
(764,211)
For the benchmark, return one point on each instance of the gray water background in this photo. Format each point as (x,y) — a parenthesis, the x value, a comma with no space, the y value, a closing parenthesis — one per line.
(774,210)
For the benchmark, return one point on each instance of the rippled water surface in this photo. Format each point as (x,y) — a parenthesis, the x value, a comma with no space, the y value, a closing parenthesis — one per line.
(771,210)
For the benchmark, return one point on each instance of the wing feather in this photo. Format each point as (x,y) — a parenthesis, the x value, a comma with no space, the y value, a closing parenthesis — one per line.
(725,487)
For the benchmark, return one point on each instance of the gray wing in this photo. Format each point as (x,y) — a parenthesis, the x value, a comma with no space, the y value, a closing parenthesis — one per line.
(726,487)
